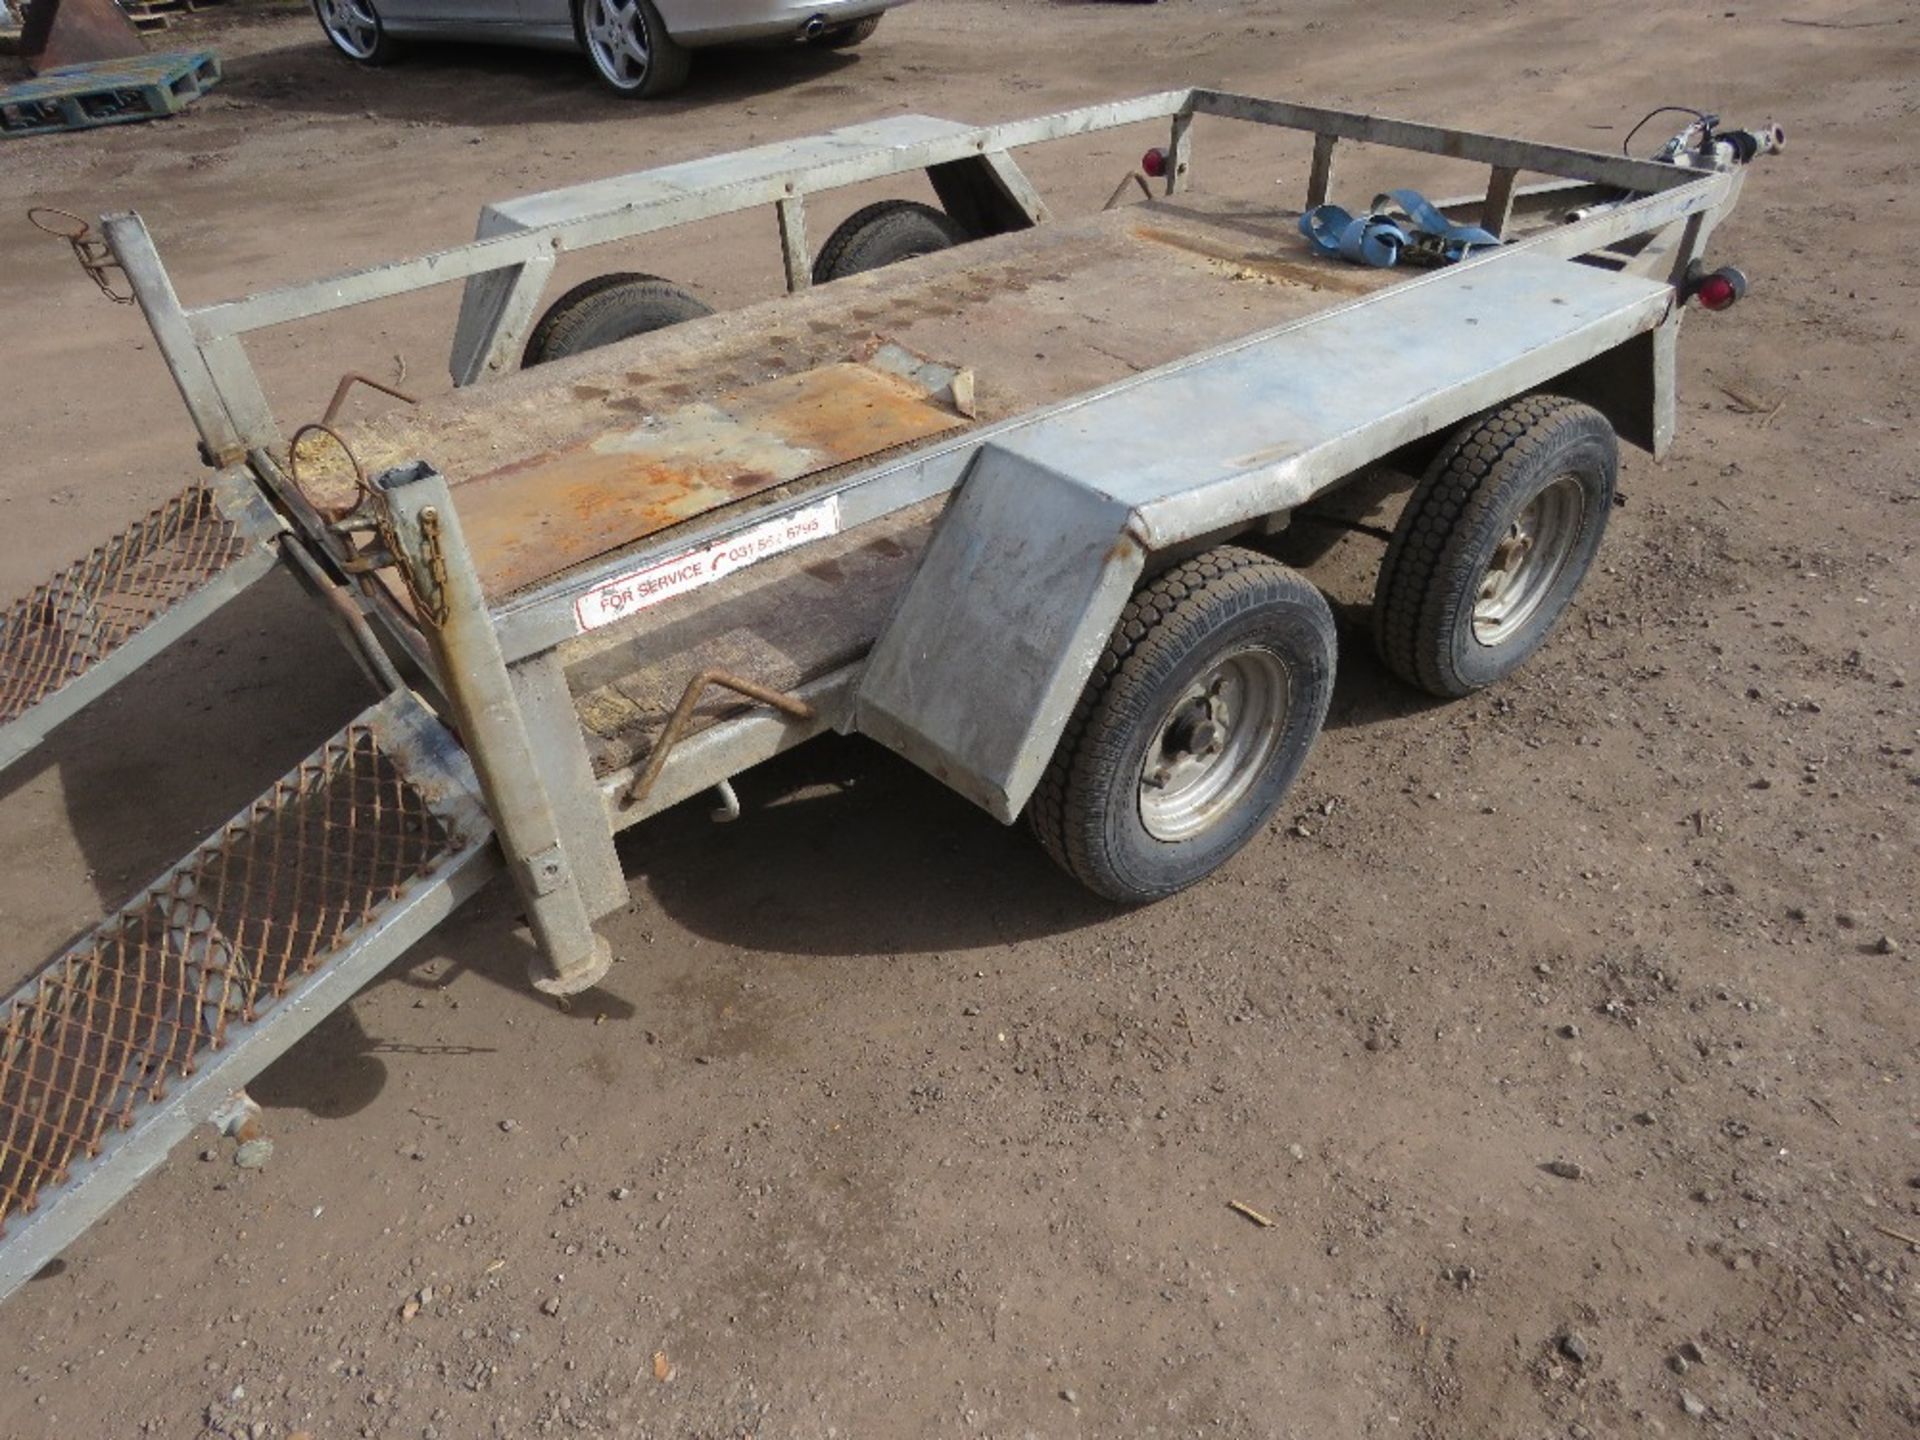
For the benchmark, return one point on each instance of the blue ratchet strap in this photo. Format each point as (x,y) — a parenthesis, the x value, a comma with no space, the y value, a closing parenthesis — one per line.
(1379,239)
(1433,231)
(1368,240)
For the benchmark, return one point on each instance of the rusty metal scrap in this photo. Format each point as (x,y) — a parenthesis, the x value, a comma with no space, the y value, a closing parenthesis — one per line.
(328,510)
(58,33)
(345,388)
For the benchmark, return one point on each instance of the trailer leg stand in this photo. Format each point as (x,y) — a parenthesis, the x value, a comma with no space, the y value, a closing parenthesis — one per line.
(426,539)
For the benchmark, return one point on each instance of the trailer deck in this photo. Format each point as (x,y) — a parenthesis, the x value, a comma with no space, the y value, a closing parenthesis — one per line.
(1039,317)
(577,460)
(586,463)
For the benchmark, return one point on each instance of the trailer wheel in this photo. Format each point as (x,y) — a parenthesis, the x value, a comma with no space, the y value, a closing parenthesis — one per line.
(607,308)
(1495,540)
(882,233)
(1199,714)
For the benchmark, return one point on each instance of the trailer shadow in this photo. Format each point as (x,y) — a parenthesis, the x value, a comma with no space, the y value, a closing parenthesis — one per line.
(335,1071)
(179,747)
(436,84)
(845,849)
(1365,692)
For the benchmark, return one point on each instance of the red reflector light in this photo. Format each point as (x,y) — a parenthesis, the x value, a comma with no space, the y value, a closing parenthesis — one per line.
(1716,292)
(1154,162)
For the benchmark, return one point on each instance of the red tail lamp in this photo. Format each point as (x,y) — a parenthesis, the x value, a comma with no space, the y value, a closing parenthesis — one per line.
(1154,162)
(1719,289)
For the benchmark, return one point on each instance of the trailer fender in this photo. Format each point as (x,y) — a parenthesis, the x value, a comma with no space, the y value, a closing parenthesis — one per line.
(1632,385)
(1062,558)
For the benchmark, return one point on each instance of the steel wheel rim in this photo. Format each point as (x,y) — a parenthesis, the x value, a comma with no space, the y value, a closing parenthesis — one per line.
(352,25)
(1529,560)
(617,39)
(1213,744)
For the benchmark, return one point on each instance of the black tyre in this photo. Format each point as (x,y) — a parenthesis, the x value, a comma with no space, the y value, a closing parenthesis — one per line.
(848,36)
(355,29)
(1199,714)
(629,48)
(607,308)
(1495,540)
(882,234)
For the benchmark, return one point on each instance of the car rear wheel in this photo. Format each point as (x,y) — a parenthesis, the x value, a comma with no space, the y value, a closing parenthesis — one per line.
(630,48)
(354,28)
(607,309)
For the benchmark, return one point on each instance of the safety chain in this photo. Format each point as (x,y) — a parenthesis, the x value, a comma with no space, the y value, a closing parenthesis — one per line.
(94,254)
(433,608)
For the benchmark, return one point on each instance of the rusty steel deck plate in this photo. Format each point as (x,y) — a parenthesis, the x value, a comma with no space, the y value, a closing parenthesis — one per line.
(543,515)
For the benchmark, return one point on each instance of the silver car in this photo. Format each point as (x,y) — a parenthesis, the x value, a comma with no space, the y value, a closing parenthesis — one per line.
(638,47)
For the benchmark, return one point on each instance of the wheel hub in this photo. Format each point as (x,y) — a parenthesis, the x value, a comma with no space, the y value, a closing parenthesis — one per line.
(1216,739)
(617,37)
(1198,731)
(1528,561)
(352,26)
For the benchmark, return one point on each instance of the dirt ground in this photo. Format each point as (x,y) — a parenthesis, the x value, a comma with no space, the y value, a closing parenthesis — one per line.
(882,1128)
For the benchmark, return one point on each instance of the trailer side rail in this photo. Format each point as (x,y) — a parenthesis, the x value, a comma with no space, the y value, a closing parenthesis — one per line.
(508,264)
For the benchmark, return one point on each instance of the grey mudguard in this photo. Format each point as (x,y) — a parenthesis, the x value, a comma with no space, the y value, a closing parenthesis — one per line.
(1054,556)
(1031,565)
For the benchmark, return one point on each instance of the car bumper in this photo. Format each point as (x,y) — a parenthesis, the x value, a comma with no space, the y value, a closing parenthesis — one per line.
(720,22)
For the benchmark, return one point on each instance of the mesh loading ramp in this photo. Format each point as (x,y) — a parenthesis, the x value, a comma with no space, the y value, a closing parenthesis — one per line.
(69,641)
(142,1029)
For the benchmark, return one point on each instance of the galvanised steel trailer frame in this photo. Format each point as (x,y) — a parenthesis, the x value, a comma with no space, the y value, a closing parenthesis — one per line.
(1001,536)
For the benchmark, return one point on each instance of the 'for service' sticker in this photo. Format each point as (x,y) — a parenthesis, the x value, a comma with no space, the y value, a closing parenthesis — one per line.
(624,594)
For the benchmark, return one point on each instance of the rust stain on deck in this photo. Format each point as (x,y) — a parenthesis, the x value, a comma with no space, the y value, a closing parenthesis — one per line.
(1315,274)
(540,516)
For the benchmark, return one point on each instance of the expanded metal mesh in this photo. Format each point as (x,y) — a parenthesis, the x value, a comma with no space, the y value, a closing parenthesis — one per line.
(98,603)
(155,988)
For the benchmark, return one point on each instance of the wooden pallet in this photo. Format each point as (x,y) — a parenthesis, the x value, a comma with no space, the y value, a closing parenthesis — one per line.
(156,14)
(107,92)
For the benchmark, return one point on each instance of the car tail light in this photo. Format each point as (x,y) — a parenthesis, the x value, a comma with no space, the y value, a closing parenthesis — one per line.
(1719,289)
(1154,162)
